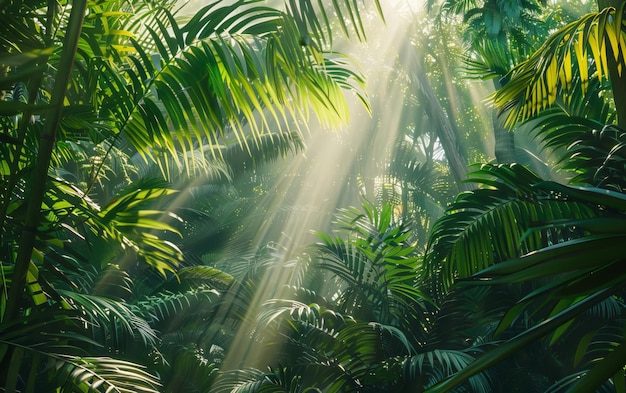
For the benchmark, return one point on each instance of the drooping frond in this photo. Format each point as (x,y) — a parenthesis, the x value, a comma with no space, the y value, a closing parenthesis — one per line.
(48,347)
(433,366)
(332,349)
(96,374)
(195,276)
(277,311)
(575,275)
(486,226)
(523,339)
(128,219)
(570,58)
(247,380)
(161,307)
(112,322)
(490,60)
(594,153)
(247,74)
(267,148)
(314,20)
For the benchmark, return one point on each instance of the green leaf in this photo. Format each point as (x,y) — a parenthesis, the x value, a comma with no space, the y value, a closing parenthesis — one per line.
(513,345)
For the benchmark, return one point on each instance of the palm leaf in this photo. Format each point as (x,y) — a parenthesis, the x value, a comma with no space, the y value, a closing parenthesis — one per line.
(436,365)
(513,345)
(471,313)
(220,79)
(563,62)
(197,275)
(570,382)
(191,372)
(314,22)
(269,147)
(374,270)
(486,226)
(52,340)
(161,307)
(595,153)
(113,322)
(331,349)
(569,280)
(276,310)
(123,220)
(490,60)
(246,381)
(96,374)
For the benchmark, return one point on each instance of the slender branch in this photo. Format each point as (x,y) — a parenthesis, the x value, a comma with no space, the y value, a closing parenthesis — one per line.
(46,145)
(14,163)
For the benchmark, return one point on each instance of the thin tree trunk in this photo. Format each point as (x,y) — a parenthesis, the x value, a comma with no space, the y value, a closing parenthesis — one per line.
(22,128)
(504,139)
(444,129)
(40,172)
(618,81)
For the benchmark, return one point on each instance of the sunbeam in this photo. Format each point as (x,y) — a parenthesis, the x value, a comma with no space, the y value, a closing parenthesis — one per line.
(337,168)
(241,196)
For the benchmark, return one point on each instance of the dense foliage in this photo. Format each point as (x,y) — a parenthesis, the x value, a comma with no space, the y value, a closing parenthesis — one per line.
(135,255)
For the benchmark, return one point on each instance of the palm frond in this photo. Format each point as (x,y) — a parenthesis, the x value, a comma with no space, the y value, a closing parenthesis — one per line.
(242,74)
(489,60)
(99,168)
(112,322)
(374,270)
(123,220)
(471,313)
(594,153)
(568,382)
(161,307)
(276,310)
(195,276)
(314,20)
(563,62)
(515,344)
(46,350)
(486,226)
(103,374)
(330,345)
(377,279)
(190,371)
(247,380)
(561,272)
(434,366)
(330,349)
(268,147)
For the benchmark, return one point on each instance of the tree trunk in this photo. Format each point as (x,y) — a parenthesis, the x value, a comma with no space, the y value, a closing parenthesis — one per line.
(40,172)
(444,129)
(504,139)
(618,82)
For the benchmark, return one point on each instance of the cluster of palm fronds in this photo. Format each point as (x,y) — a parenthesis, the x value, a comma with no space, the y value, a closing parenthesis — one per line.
(104,103)
(95,96)
(522,284)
